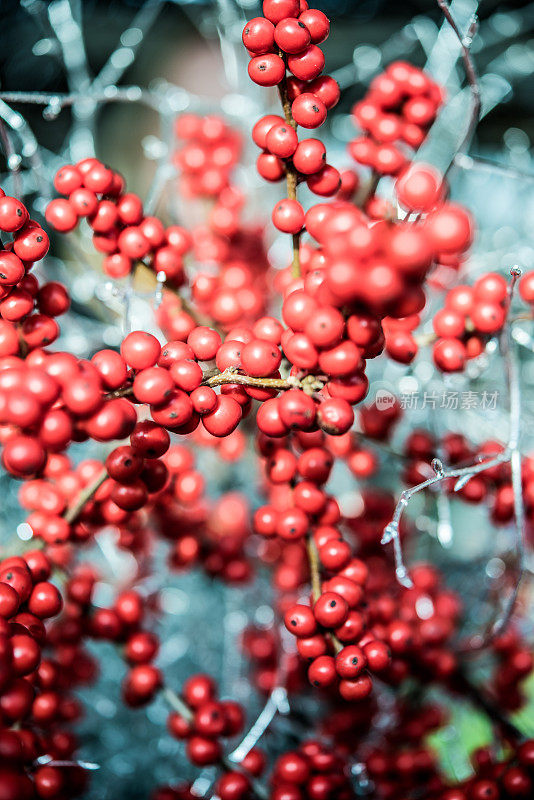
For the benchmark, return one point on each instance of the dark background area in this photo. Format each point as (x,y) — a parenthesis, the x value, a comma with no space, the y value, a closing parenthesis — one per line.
(174,48)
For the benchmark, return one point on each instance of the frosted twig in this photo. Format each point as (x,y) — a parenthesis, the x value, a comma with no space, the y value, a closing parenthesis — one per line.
(29,147)
(110,94)
(276,702)
(13,159)
(470,71)
(52,762)
(509,354)
(68,33)
(463,475)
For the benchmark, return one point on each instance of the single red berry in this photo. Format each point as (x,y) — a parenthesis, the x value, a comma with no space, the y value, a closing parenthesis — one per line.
(317,23)
(288,216)
(308,110)
(322,671)
(350,661)
(291,35)
(140,350)
(266,70)
(258,36)
(277,10)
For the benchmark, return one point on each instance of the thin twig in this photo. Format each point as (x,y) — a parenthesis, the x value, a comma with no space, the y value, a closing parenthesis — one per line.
(313,560)
(84,497)
(509,356)
(291,173)
(469,66)
(229,376)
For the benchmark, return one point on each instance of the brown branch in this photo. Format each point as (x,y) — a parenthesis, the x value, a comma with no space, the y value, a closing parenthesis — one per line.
(368,190)
(291,172)
(84,497)
(228,376)
(315,579)
(313,561)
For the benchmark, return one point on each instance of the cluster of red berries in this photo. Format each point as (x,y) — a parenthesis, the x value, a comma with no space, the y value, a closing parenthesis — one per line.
(514,662)
(270,664)
(469,317)
(211,535)
(496,778)
(314,770)
(120,228)
(27,310)
(232,289)
(208,720)
(210,151)
(287,38)
(398,109)
(230,292)
(170,379)
(121,624)
(34,703)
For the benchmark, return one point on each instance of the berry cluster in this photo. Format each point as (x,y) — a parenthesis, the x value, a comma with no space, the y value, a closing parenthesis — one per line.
(287,38)
(120,228)
(204,720)
(470,316)
(33,698)
(262,647)
(313,771)
(210,152)
(398,109)
(402,759)
(497,778)
(27,310)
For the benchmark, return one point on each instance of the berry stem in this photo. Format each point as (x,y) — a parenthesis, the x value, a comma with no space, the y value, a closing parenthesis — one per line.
(228,376)
(315,577)
(291,173)
(177,704)
(85,495)
(315,571)
(370,189)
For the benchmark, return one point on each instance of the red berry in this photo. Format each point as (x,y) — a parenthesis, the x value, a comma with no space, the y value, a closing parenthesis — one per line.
(330,610)
(322,671)
(308,110)
(140,350)
(317,23)
(224,418)
(309,157)
(258,35)
(266,70)
(288,216)
(277,10)
(350,661)
(291,35)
